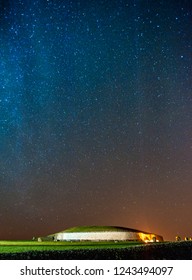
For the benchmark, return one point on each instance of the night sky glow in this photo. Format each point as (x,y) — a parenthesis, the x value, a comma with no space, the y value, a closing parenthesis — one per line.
(95,116)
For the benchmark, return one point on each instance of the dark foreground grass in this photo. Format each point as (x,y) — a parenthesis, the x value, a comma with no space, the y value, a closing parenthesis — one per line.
(159,251)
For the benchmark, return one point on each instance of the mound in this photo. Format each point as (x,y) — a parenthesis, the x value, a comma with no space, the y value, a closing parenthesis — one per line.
(104,233)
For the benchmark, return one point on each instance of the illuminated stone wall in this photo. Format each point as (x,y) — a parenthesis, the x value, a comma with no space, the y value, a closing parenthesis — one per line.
(106,235)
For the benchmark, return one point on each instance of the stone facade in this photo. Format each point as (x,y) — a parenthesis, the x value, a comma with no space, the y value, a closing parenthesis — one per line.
(106,236)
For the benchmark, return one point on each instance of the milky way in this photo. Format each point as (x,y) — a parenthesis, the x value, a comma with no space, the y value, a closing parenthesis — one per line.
(95,116)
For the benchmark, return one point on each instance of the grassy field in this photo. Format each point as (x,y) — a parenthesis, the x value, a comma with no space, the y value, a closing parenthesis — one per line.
(32,250)
(7,247)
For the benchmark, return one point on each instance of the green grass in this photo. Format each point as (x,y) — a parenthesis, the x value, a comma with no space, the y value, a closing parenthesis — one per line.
(31,250)
(96,228)
(26,246)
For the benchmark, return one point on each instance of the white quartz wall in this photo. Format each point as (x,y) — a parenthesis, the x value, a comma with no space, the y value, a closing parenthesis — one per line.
(104,235)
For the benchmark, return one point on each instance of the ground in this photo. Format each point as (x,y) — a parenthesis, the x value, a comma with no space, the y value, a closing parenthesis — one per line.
(106,250)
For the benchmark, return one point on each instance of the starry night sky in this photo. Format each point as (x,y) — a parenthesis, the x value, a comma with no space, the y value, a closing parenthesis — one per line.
(95,116)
